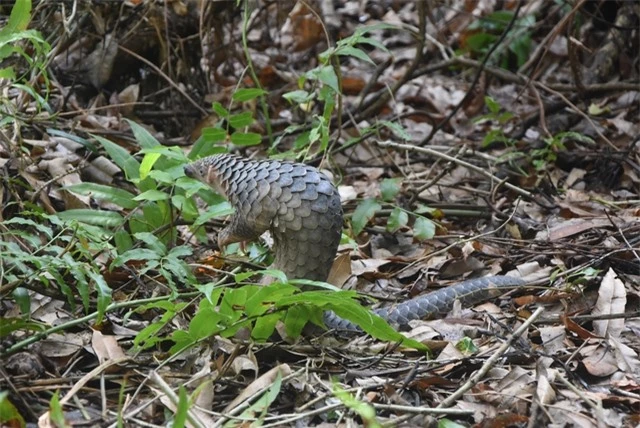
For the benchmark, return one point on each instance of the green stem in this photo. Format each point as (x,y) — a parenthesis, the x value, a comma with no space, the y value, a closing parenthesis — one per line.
(252,73)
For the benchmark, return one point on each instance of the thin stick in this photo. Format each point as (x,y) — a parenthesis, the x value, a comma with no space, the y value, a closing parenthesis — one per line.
(473,380)
(460,162)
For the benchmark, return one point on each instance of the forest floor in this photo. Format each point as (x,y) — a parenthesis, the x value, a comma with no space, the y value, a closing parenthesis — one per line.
(466,138)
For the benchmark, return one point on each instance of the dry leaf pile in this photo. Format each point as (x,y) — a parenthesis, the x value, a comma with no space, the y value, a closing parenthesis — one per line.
(449,166)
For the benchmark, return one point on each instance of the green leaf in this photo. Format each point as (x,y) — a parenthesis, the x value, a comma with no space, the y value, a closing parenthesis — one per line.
(298,97)
(246,139)
(423,229)
(241,120)
(129,165)
(107,219)
(575,136)
(186,206)
(23,299)
(9,325)
(104,293)
(152,241)
(9,415)
(264,298)
(147,163)
(19,18)
(397,219)
(148,336)
(207,321)
(123,240)
(264,326)
(30,223)
(343,303)
(56,413)
(448,423)
(213,135)
(389,188)
(364,212)
(242,276)
(366,412)
(257,411)
(492,104)
(327,75)
(120,197)
(466,346)
(143,137)
(221,111)
(180,416)
(137,254)
(180,251)
(222,209)
(163,177)
(247,94)
(7,73)
(356,53)
(480,41)
(88,144)
(295,320)
(152,195)
(397,129)
(373,42)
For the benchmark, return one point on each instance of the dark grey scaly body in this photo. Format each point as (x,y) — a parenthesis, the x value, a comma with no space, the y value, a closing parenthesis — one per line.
(296,202)
(301,208)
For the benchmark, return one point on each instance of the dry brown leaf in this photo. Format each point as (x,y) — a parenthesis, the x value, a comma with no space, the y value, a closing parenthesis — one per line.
(106,347)
(260,384)
(612,299)
(364,266)
(518,384)
(243,363)
(626,357)
(341,270)
(545,377)
(553,339)
(450,353)
(599,360)
(455,268)
(577,329)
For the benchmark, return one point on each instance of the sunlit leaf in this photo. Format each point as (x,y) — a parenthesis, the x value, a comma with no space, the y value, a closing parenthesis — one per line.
(363,213)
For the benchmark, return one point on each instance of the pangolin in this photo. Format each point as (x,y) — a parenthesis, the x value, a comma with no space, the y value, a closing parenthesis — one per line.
(301,208)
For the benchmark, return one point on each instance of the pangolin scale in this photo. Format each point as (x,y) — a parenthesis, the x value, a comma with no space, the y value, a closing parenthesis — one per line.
(301,208)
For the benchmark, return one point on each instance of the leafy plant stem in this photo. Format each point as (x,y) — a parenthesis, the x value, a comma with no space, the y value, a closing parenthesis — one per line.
(476,78)
(252,72)
(78,321)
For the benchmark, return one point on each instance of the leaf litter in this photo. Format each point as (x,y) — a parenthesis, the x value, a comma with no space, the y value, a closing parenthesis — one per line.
(577,364)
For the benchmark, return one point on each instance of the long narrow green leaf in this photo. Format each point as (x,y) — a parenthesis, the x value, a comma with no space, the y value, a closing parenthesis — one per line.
(120,197)
(129,165)
(104,293)
(19,18)
(94,217)
(143,137)
(363,213)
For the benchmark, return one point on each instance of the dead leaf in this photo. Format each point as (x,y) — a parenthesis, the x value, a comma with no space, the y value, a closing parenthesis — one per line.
(106,347)
(612,299)
(260,384)
(341,270)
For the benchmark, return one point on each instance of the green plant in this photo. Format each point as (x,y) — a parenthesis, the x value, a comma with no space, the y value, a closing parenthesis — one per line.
(366,412)
(496,134)
(14,39)
(423,227)
(486,31)
(41,250)
(548,154)
(146,235)
(16,31)
(321,87)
